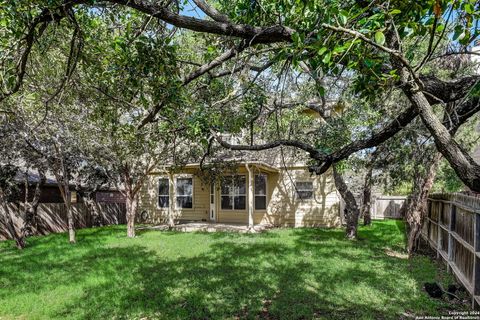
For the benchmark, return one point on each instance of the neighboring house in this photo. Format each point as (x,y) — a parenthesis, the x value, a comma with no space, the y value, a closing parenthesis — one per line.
(51,193)
(259,189)
(108,209)
(109,196)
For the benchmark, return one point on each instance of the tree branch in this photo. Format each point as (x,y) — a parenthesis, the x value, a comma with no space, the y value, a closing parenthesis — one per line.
(227,55)
(314,153)
(271,34)
(194,75)
(463,164)
(41,22)
(211,11)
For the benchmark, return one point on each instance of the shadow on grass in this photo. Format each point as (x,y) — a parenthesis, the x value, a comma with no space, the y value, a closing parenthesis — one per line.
(286,274)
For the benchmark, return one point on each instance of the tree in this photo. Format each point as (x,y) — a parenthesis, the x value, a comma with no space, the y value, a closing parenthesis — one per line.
(382,47)
(351,209)
(16,151)
(367,188)
(138,71)
(7,189)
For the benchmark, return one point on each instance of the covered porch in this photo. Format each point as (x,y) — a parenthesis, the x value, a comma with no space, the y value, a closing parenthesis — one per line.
(242,202)
(235,198)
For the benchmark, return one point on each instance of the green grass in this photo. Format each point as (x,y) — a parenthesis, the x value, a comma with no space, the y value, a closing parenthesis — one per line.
(281,274)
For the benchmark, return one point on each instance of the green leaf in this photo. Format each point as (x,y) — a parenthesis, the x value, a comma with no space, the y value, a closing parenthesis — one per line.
(469,8)
(296,39)
(321,91)
(369,63)
(343,17)
(326,58)
(322,51)
(395,11)
(457,33)
(379,38)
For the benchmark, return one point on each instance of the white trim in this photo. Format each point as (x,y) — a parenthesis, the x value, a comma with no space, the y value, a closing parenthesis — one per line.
(212,206)
(251,195)
(239,162)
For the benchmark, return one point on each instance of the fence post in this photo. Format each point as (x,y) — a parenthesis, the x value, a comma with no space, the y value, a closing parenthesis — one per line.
(451,228)
(439,229)
(476,263)
(373,207)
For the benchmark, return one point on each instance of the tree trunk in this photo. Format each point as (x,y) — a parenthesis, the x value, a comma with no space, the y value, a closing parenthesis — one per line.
(30,226)
(465,167)
(131,204)
(95,212)
(70,219)
(367,188)
(351,209)
(416,209)
(64,187)
(19,241)
(367,198)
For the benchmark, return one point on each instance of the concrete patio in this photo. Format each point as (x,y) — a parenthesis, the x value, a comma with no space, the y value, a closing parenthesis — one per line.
(201,226)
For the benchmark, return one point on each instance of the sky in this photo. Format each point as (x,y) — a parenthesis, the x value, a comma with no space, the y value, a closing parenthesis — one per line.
(191,10)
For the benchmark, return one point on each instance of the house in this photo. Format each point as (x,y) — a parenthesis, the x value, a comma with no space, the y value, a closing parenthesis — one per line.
(251,188)
(107,209)
(50,193)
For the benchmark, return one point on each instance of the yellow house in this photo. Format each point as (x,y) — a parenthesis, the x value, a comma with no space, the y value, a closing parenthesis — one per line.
(256,192)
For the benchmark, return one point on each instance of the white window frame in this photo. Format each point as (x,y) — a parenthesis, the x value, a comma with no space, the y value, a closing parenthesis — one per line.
(233,194)
(297,190)
(255,195)
(163,195)
(184,176)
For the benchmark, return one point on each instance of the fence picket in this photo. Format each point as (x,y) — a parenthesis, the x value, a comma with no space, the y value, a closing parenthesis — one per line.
(462,212)
(52,217)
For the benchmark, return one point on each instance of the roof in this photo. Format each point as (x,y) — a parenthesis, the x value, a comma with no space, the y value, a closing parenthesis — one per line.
(259,164)
(279,157)
(34,178)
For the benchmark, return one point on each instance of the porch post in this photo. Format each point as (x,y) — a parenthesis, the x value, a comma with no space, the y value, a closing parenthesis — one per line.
(171,202)
(250,196)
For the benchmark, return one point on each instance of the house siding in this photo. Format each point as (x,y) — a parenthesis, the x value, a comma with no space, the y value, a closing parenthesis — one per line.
(148,201)
(283,208)
(112,196)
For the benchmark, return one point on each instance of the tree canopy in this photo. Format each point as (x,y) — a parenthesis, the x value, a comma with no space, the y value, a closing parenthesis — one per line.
(127,85)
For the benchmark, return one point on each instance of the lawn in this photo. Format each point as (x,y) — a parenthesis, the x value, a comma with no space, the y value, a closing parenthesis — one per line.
(280,274)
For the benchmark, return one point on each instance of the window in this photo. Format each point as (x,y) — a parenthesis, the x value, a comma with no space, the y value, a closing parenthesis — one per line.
(304,190)
(184,193)
(260,192)
(233,191)
(163,193)
(212,193)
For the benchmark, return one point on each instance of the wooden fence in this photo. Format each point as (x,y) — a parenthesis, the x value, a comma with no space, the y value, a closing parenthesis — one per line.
(452,229)
(52,217)
(387,207)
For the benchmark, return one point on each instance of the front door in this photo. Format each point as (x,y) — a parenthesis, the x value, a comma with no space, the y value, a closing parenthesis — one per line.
(212,202)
